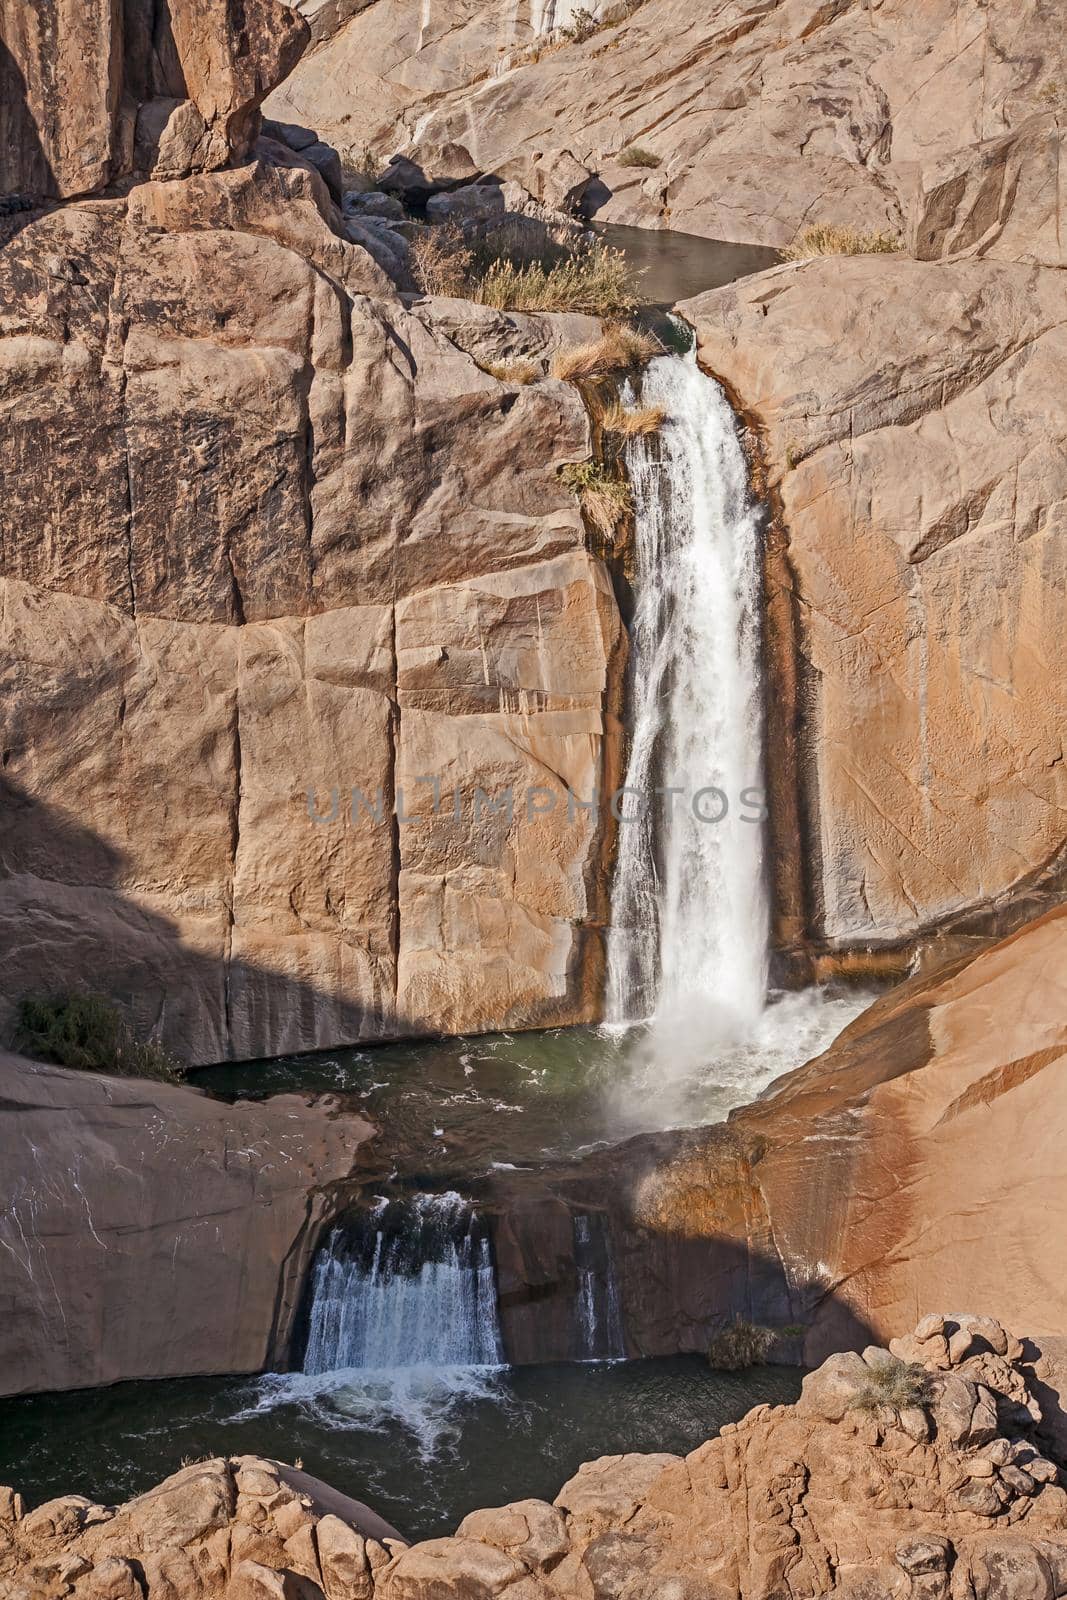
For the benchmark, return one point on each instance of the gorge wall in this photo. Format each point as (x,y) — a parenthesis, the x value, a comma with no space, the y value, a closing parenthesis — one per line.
(940,121)
(268,530)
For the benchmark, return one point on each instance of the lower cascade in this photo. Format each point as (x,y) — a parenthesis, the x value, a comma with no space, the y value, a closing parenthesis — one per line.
(406,1284)
(688,943)
(598,1311)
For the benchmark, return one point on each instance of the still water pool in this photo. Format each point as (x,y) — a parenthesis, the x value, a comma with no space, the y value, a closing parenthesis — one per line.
(422,1447)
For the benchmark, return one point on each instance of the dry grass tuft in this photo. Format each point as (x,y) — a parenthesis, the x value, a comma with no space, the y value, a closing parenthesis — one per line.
(624,424)
(441,261)
(636,155)
(593,278)
(617,349)
(604,500)
(513,371)
(896,1385)
(509,273)
(743,1344)
(826,240)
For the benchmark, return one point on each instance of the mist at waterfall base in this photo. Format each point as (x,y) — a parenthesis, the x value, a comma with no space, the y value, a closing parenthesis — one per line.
(688,948)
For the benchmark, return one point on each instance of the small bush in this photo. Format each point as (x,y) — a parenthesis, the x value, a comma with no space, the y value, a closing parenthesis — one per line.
(513,371)
(441,261)
(896,1385)
(636,155)
(624,424)
(87,1032)
(604,500)
(743,1344)
(826,240)
(618,349)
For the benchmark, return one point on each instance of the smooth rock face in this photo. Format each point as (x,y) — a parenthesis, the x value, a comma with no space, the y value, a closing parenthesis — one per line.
(792,1501)
(897,1171)
(766,117)
(148,1231)
(911,425)
(91,92)
(269,534)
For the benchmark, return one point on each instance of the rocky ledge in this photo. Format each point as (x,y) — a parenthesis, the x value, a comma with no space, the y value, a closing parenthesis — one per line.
(908,1473)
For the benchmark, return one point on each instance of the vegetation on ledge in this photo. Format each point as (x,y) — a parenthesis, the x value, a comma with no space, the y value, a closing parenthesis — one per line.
(604,499)
(742,1344)
(894,1385)
(87,1032)
(635,155)
(617,349)
(826,240)
(503,271)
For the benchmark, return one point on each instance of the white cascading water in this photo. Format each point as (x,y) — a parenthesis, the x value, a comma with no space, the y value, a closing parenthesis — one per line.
(599,1331)
(425,1298)
(688,943)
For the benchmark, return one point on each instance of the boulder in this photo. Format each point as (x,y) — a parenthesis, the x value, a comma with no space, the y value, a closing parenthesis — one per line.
(87,99)
(472,203)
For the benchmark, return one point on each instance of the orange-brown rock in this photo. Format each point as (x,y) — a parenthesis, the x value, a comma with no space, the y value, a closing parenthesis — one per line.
(843,1494)
(91,92)
(147,1230)
(276,548)
(913,436)
(916,1163)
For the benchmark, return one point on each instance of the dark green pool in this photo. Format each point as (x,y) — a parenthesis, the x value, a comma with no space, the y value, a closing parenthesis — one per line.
(423,1449)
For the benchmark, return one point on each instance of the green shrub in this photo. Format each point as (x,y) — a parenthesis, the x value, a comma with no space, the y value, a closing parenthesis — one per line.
(742,1344)
(896,1385)
(636,155)
(826,240)
(605,500)
(87,1032)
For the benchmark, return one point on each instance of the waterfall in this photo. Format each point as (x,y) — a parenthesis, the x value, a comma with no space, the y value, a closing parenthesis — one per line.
(688,942)
(598,1314)
(407,1284)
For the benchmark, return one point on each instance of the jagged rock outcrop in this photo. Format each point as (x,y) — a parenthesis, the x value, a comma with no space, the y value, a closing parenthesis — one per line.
(765,116)
(268,532)
(913,435)
(91,91)
(149,1231)
(915,1478)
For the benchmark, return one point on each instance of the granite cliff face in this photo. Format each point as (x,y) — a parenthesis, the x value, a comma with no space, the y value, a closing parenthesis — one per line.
(148,1231)
(271,531)
(912,439)
(92,92)
(946,1495)
(940,121)
(279,556)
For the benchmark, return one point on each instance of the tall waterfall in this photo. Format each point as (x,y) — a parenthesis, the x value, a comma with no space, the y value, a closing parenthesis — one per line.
(688,943)
(409,1284)
(597,1309)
